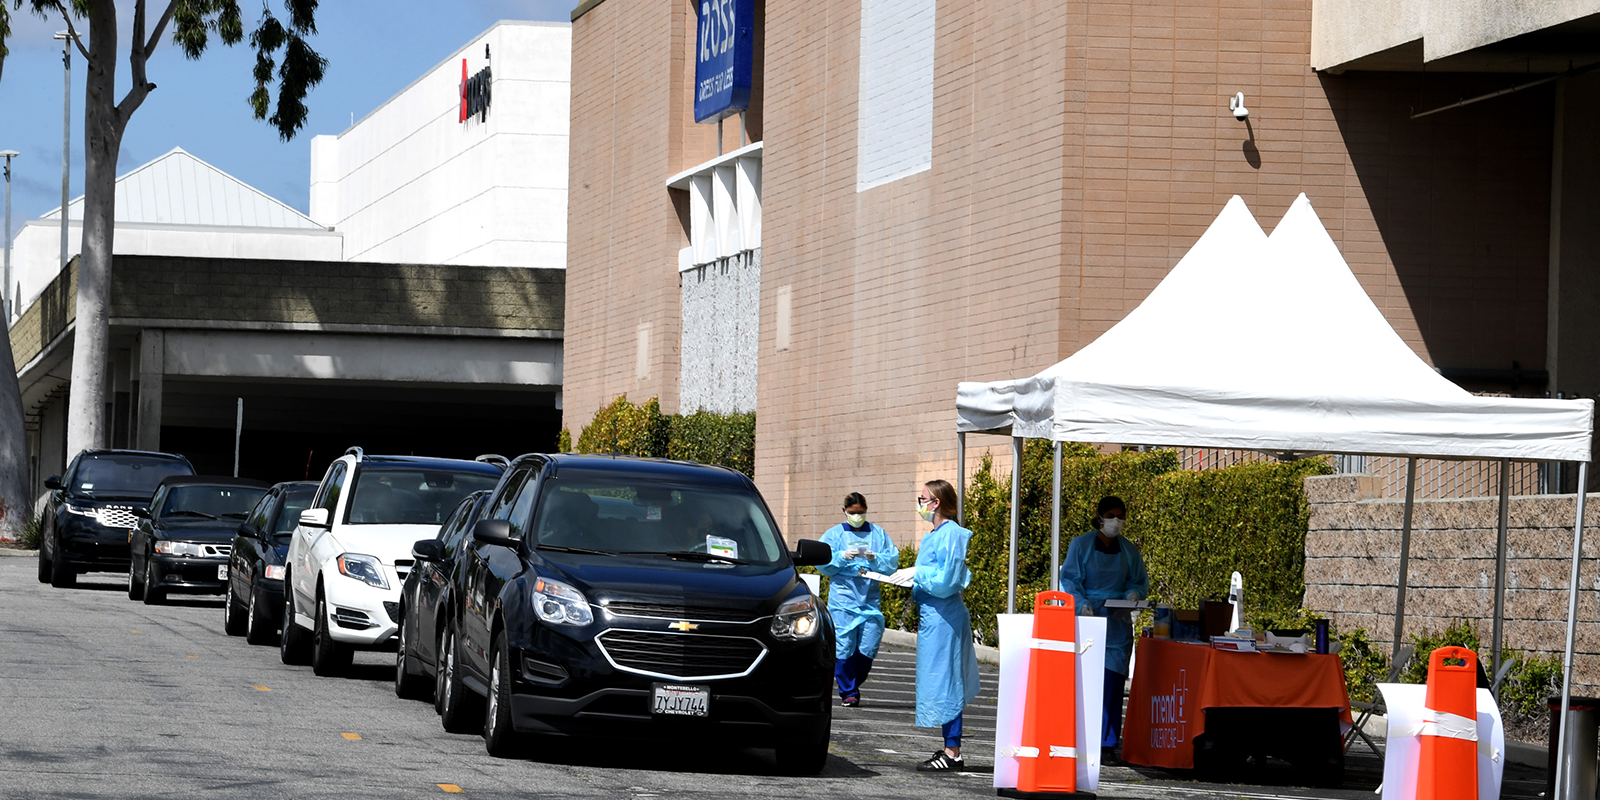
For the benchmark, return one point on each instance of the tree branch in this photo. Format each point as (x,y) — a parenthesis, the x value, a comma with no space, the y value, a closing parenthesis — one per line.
(72,31)
(161,26)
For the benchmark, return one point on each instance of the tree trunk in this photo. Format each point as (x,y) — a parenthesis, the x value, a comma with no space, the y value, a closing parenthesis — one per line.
(14,506)
(103,125)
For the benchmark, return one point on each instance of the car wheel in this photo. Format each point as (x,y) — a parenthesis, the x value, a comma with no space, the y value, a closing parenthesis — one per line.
(44,565)
(806,758)
(409,683)
(62,576)
(135,586)
(292,644)
(152,595)
(500,736)
(454,701)
(257,628)
(328,657)
(233,622)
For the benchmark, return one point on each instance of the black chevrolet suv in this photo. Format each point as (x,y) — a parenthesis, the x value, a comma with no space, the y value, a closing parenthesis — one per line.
(635,598)
(92,509)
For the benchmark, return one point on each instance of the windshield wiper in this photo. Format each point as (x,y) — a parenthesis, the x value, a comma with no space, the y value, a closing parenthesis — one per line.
(690,555)
(564,549)
(239,514)
(189,513)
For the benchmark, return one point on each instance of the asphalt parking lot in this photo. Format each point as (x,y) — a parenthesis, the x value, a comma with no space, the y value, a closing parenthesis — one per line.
(104,697)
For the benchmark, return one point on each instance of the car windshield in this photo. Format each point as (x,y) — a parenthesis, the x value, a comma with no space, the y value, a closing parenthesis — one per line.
(641,516)
(294,502)
(385,496)
(124,476)
(210,502)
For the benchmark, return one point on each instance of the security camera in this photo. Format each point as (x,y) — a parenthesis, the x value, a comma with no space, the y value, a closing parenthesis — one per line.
(1236,105)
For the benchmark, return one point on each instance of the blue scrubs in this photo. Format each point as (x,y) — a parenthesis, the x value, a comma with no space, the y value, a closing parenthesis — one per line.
(947,663)
(854,601)
(1094,573)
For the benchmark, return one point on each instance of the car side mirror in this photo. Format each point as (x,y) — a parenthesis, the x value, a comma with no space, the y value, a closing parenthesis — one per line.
(811,553)
(53,482)
(141,513)
(495,531)
(314,518)
(428,550)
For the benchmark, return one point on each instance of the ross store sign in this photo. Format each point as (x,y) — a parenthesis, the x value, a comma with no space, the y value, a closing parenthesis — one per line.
(724,58)
(474,94)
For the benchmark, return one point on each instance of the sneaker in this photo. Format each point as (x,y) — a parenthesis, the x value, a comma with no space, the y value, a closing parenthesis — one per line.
(942,762)
(851,702)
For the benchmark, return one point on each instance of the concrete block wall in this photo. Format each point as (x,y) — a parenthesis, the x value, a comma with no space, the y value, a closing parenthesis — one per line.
(1353,557)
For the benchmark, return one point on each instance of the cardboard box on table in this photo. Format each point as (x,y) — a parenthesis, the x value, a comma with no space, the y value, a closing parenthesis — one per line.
(1406,703)
(1015,632)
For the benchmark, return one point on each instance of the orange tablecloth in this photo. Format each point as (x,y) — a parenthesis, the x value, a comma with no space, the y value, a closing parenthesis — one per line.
(1174,683)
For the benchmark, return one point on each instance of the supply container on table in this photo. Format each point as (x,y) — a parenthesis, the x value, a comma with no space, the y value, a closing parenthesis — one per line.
(1162,627)
(1582,721)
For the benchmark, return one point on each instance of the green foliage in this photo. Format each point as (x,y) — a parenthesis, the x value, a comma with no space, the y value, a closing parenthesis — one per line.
(727,440)
(1458,633)
(1364,665)
(1532,681)
(898,610)
(33,533)
(708,438)
(1533,678)
(1193,528)
(564,441)
(626,429)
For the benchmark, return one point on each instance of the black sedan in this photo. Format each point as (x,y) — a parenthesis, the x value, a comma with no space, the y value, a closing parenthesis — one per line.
(425,597)
(619,597)
(253,604)
(183,539)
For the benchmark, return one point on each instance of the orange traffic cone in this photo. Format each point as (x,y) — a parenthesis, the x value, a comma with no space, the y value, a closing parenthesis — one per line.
(1448,768)
(1050,717)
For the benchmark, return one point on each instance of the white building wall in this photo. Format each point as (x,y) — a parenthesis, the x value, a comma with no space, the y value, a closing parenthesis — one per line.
(412,183)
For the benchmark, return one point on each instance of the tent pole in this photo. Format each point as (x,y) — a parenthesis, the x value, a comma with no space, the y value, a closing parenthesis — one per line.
(1016,520)
(961,471)
(1055,515)
(1405,556)
(1572,618)
(1500,571)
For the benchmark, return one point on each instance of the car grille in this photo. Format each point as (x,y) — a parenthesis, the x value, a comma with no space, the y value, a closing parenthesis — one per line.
(668,611)
(116,517)
(681,655)
(216,550)
(393,610)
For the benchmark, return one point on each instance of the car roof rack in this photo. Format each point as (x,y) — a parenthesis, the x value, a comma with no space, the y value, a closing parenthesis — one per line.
(357,452)
(494,458)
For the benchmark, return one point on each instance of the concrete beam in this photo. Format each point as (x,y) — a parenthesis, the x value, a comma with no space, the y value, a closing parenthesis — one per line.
(354,357)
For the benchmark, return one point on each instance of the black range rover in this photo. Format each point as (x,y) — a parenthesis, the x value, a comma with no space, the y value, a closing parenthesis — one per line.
(624,597)
(92,508)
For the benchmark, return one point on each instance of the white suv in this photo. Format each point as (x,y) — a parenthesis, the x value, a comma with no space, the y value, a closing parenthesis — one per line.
(352,549)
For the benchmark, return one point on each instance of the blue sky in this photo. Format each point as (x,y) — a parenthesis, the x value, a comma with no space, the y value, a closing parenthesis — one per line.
(374,49)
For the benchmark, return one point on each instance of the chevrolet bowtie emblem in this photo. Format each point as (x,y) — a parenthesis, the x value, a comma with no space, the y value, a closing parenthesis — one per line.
(683,626)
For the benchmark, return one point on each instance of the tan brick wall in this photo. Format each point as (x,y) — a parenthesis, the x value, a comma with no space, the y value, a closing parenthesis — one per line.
(1353,563)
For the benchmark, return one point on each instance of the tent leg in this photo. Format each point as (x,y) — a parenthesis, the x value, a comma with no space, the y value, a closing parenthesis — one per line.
(961,472)
(1016,523)
(1405,556)
(1500,571)
(1055,515)
(1565,742)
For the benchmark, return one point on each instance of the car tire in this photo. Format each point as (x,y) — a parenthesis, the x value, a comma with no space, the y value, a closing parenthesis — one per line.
(409,682)
(453,699)
(500,736)
(44,565)
(62,576)
(293,648)
(152,595)
(233,621)
(257,628)
(328,657)
(806,758)
(135,586)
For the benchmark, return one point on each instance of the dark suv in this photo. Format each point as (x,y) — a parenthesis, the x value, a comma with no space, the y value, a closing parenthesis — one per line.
(624,597)
(92,509)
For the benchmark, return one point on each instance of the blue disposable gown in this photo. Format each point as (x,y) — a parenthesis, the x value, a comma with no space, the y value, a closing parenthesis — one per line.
(947,663)
(853,601)
(1093,577)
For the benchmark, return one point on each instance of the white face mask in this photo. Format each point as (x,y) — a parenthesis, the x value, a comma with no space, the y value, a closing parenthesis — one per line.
(925,511)
(855,520)
(1111,527)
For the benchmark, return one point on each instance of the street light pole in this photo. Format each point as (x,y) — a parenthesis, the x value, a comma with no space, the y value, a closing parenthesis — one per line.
(66,133)
(5,288)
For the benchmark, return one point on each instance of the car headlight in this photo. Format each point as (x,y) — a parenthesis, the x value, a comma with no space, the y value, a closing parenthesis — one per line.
(274,572)
(363,568)
(796,619)
(179,548)
(80,511)
(560,604)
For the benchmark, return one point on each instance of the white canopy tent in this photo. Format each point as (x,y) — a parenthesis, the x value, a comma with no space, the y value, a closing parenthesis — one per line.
(1211,359)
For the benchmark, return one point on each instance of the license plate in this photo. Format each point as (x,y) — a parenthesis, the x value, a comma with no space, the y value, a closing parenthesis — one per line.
(222,572)
(681,701)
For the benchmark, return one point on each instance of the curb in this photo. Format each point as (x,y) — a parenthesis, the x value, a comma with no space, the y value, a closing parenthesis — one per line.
(986,654)
(9,552)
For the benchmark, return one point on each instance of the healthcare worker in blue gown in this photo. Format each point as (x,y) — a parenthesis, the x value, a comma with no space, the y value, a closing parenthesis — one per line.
(1101,565)
(853,601)
(947,663)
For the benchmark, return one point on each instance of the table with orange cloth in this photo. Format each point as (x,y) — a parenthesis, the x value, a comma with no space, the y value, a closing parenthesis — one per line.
(1174,683)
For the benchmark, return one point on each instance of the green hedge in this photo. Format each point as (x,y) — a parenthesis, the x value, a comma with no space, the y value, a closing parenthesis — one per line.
(1193,528)
(623,428)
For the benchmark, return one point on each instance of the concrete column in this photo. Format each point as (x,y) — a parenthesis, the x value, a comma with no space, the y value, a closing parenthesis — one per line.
(1573,333)
(152,366)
